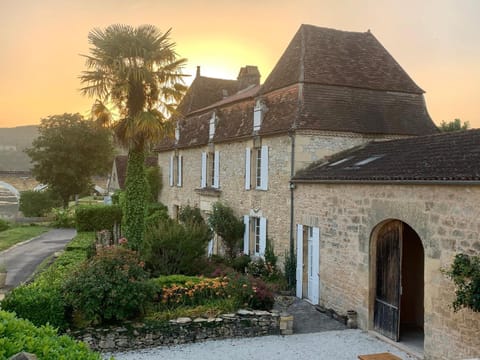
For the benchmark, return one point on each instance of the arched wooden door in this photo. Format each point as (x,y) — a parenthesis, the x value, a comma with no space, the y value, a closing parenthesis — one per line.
(388,280)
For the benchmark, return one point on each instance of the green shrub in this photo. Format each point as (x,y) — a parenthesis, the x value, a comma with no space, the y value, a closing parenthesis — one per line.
(4,225)
(290,268)
(240,263)
(224,222)
(156,213)
(116,197)
(98,217)
(109,287)
(39,303)
(173,248)
(18,335)
(465,273)
(38,203)
(154,181)
(169,280)
(63,218)
(191,215)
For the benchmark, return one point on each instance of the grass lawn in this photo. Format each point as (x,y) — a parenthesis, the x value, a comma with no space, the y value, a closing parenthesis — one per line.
(18,234)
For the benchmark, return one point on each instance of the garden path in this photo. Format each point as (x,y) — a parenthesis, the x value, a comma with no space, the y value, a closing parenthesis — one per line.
(22,259)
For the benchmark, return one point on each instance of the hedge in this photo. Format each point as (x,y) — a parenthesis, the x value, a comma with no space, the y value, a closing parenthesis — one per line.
(18,335)
(98,217)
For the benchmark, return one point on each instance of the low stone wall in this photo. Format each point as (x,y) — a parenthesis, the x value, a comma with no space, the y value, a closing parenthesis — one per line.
(183,330)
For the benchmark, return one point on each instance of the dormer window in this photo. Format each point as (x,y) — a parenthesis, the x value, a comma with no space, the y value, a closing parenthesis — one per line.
(258,115)
(213,121)
(177,133)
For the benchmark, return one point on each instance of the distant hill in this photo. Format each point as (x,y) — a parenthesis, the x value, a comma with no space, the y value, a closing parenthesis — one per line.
(12,143)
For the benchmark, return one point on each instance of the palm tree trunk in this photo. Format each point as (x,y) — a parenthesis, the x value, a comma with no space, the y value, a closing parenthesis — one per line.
(135,192)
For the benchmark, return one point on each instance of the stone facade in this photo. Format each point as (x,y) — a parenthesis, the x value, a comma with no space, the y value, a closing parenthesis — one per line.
(182,330)
(445,218)
(274,203)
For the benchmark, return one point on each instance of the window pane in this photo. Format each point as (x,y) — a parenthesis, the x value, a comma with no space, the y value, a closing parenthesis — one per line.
(258,173)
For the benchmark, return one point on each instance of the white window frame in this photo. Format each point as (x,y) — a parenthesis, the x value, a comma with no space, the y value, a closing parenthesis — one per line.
(257,115)
(259,168)
(257,227)
(211,129)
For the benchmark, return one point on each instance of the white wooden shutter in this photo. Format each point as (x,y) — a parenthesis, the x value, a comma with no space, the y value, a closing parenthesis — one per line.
(246,235)
(264,168)
(299,261)
(216,170)
(179,170)
(210,248)
(263,235)
(247,168)
(316,264)
(203,179)
(170,172)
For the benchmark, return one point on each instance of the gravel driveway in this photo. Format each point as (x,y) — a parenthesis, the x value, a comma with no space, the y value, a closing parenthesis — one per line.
(329,345)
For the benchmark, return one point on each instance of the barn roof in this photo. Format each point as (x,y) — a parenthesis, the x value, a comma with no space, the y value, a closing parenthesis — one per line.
(446,157)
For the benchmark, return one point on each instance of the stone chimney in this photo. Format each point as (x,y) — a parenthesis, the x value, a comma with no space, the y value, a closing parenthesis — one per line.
(198,71)
(248,75)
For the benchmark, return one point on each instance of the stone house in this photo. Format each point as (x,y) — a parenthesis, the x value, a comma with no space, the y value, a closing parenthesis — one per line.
(375,227)
(240,142)
(116,179)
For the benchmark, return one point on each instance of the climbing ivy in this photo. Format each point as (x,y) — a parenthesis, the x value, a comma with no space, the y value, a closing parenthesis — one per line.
(465,273)
(135,199)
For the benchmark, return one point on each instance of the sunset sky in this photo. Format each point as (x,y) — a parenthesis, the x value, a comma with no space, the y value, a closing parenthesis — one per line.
(436,41)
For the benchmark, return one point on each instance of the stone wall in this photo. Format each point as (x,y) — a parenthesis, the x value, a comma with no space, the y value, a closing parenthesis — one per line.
(447,221)
(182,330)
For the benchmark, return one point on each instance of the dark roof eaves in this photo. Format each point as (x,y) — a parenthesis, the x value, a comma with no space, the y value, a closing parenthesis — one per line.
(422,92)
(386,181)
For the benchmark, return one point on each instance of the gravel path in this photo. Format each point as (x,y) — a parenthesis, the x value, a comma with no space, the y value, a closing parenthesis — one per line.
(338,345)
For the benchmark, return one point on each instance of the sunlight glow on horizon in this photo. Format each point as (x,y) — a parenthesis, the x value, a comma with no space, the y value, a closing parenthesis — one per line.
(437,45)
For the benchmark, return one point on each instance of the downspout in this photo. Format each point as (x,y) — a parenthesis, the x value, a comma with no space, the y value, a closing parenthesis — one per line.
(292,188)
(301,80)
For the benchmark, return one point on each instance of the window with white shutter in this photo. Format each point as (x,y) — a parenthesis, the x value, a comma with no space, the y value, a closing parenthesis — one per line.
(203,175)
(171,171)
(264,168)
(247,168)
(216,170)
(179,170)
(246,235)
(257,115)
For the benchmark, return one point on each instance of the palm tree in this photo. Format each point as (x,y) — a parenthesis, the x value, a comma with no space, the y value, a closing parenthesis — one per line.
(137,70)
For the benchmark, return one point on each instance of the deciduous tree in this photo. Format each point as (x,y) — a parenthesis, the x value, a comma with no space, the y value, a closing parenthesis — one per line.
(68,152)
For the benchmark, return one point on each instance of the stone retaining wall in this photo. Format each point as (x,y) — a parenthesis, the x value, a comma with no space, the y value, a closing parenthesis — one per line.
(182,330)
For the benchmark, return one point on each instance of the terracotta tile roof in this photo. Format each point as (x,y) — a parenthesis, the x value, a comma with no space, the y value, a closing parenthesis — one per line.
(440,158)
(249,92)
(121,165)
(332,57)
(365,111)
(205,91)
(326,80)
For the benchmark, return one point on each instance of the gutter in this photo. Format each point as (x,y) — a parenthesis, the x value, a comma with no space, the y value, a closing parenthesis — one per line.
(388,182)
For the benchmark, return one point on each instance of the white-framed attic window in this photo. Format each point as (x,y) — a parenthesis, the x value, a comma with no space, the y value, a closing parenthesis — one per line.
(258,111)
(213,124)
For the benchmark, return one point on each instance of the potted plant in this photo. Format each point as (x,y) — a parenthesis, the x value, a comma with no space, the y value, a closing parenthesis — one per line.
(3,274)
